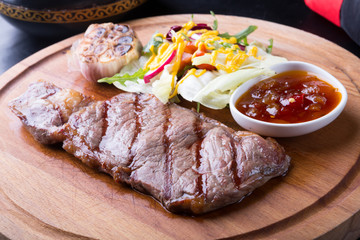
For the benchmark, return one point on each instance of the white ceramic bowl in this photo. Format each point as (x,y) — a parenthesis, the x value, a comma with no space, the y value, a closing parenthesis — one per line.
(290,129)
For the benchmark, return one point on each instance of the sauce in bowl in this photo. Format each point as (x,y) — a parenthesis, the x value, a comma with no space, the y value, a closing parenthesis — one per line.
(289,97)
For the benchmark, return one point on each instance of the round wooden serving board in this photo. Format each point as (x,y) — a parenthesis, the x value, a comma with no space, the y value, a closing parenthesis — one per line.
(45,193)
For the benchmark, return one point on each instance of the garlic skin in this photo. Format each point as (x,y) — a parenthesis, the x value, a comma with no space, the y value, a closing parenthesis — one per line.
(104,50)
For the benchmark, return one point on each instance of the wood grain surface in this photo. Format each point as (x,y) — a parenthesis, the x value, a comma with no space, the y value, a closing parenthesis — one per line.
(45,193)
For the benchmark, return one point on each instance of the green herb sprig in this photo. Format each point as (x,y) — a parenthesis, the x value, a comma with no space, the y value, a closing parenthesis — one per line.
(215,24)
(241,37)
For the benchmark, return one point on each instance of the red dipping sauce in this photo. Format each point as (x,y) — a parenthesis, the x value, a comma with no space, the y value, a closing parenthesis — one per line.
(289,97)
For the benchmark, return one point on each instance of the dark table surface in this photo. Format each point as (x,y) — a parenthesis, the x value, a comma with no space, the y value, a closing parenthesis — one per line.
(16,45)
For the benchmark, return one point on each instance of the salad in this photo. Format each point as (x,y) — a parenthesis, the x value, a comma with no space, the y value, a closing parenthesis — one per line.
(196,62)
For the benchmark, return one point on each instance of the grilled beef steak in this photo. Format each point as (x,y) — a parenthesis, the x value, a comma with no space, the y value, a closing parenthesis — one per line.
(189,162)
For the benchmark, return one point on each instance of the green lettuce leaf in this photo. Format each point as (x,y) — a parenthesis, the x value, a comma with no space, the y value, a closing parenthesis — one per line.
(156,41)
(139,74)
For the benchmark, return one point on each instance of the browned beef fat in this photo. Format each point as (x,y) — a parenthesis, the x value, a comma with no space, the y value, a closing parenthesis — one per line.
(188,162)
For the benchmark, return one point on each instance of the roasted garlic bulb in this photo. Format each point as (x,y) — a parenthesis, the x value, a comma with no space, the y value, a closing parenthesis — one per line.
(104,50)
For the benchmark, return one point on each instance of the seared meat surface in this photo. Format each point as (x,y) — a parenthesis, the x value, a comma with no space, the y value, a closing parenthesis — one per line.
(188,162)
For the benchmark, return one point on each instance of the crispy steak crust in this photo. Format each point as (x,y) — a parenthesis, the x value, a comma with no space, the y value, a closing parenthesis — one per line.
(188,162)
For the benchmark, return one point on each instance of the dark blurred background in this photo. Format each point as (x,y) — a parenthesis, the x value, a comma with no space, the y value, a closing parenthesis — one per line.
(17,45)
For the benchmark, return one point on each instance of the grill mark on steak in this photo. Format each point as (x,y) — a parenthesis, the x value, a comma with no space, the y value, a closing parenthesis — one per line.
(234,166)
(186,161)
(138,109)
(168,155)
(84,133)
(199,182)
(105,120)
